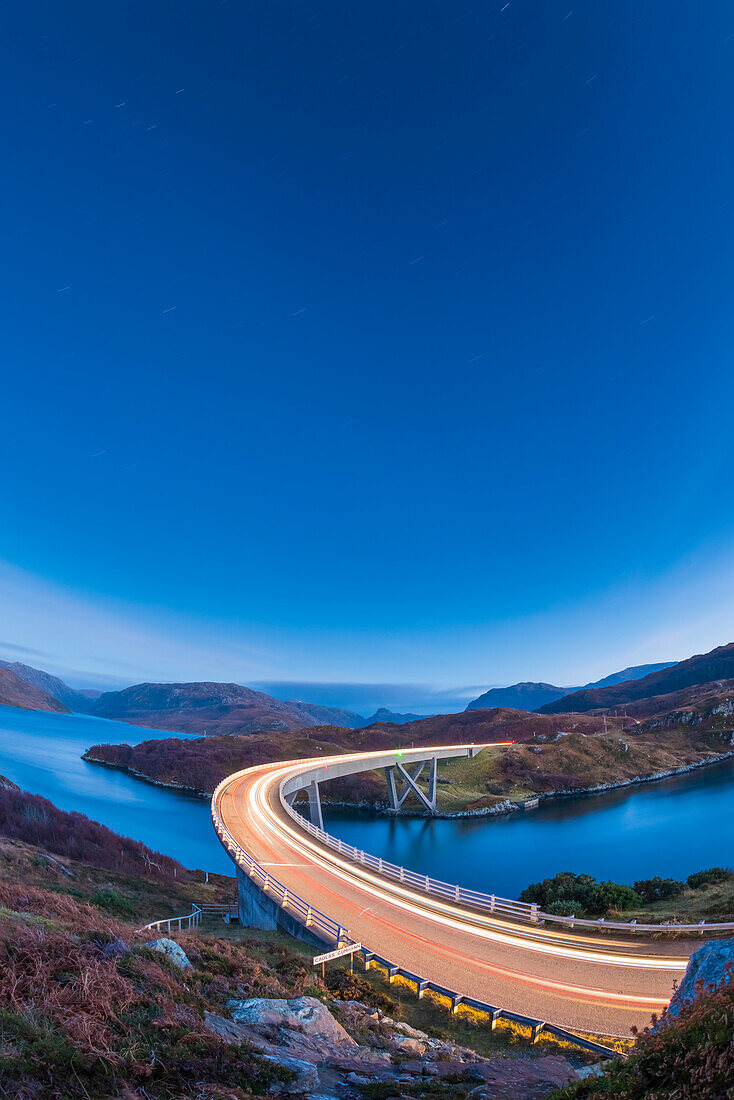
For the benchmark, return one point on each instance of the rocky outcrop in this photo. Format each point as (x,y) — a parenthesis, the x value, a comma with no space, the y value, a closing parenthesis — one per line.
(304,1080)
(303,1015)
(172,951)
(303,1036)
(708,968)
(529,1078)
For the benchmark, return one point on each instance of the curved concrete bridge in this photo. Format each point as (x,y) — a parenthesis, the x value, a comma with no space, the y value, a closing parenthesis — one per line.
(294,876)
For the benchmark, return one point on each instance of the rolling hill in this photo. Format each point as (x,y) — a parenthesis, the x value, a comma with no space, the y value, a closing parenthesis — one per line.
(201,707)
(527,695)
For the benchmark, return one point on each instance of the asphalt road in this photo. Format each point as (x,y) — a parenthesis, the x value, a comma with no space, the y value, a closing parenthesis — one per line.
(601,984)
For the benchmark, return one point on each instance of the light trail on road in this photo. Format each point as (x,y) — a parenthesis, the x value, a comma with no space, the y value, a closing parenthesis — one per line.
(540,972)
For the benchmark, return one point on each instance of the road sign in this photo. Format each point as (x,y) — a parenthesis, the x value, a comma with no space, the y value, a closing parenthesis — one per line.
(338,953)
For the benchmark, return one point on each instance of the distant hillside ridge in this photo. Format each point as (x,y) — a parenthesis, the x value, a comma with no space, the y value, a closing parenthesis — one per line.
(634,672)
(51,685)
(527,695)
(201,763)
(328,716)
(385,715)
(15,692)
(201,707)
(703,668)
(535,696)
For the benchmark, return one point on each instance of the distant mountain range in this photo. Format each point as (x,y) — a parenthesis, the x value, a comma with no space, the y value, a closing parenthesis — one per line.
(691,690)
(385,715)
(704,668)
(16,692)
(79,701)
(535,696)
(199,707)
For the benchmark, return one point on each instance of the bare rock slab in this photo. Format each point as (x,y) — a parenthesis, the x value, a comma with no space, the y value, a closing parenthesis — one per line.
(172,951)
(301,1014)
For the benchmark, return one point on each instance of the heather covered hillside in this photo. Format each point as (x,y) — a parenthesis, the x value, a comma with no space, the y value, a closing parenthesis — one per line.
(690,1059)
(202,763)
(88,1011)
(95,1007)
(549,754)
(35,820)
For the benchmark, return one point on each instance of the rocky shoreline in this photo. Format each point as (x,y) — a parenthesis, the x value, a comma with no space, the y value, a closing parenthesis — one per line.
(507,806)
(182,788)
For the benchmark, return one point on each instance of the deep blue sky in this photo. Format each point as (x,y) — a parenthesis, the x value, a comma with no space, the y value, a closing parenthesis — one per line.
(368,341)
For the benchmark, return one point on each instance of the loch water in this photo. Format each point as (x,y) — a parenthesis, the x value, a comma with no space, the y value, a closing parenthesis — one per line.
(670,827)
(42,754)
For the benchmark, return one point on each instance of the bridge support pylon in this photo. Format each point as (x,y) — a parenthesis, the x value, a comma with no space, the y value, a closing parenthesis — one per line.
(314,804)
(411,785)
(258,910)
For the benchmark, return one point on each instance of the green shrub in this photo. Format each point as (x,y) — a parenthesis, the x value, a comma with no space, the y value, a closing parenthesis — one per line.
(564,886)
(113,901)
(570,908)
(658,889)
(613,895)
(707,878)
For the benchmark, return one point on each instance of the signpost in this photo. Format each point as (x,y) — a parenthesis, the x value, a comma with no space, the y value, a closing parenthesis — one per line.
(338,953)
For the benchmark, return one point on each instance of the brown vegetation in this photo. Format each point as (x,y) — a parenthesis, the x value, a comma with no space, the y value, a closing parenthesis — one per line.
(86,1010)
(550,753)
(691,1059)
(35,820)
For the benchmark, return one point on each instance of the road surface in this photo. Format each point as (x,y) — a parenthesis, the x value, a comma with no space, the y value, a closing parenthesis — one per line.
(601,984)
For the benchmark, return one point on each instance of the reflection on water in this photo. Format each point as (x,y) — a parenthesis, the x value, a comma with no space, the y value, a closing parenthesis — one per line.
(670,827)
(42,753)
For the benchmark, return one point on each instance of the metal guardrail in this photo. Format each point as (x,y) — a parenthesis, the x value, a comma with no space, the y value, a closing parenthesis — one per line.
(494,1013)
(214,909)
(191,920)
(306,914)
(504,907)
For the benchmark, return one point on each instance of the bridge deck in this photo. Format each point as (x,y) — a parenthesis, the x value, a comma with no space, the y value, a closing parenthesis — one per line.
(580,982)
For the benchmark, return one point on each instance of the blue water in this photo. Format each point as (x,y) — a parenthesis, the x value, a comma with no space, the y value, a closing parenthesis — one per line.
(42,753)
(671,827)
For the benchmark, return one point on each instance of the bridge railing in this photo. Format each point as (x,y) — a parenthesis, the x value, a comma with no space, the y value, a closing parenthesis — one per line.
(322,925)
(504,907)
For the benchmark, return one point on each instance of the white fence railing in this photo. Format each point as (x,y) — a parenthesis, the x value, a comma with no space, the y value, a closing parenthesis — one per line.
(306,914)
(503,907)
(191,920)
